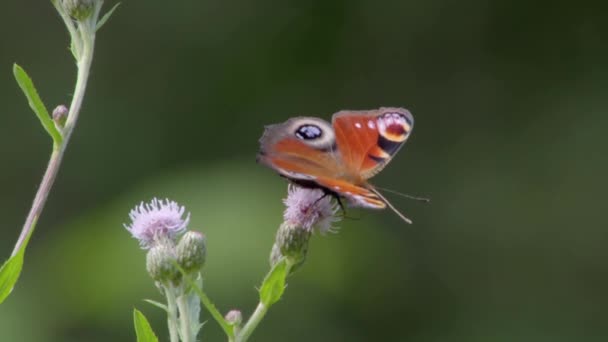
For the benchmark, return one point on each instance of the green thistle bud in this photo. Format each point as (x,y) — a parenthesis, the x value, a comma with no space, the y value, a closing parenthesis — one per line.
(79,9)
(292,241)
(192,251)
(160,263)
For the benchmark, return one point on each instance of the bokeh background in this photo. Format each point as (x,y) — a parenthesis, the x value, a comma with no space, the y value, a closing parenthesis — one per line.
(510,101)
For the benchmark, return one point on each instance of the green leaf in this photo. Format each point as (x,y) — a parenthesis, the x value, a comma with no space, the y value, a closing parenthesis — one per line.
(27,86)
(105,17)
(10,271)
(274,284)
(142,328)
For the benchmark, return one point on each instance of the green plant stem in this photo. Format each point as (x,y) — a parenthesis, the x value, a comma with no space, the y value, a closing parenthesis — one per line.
(208,304)
(184,319)
(257,316)
(84,65)
(171,313)
(252,323)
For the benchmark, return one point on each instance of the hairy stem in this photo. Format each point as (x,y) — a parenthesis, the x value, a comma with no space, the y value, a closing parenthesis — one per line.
(172,313)
(184,319)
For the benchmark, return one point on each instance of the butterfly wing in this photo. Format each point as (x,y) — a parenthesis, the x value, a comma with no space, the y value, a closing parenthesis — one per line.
(341,158)
(356,195)
(304,150)
(367,140)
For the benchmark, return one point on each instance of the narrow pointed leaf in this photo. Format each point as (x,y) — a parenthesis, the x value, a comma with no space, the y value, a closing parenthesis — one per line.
(27,86)
(106,16)
(274,284)
(10,271)
(157,304)
(142,328)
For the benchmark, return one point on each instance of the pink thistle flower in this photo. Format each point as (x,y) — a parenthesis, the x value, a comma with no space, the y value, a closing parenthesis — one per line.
(309,209)
(157,221)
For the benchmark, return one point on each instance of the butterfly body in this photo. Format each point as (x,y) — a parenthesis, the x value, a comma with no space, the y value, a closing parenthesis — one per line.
(339,157)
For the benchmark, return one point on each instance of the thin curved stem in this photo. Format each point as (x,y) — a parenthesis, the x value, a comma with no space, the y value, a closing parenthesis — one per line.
(84,66)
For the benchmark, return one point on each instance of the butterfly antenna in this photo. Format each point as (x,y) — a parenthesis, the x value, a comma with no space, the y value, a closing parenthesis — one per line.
(407,220)
(416,198)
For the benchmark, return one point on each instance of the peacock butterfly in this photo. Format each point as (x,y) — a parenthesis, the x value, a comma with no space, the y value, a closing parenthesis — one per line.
(341,157)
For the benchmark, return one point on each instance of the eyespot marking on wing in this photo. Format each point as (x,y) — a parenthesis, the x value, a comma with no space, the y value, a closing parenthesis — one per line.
(314,132)
(394,126)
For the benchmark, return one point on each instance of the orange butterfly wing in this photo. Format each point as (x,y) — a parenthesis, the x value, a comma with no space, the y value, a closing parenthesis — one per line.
(295,158)
(315,163)
(341,158)
(367,140)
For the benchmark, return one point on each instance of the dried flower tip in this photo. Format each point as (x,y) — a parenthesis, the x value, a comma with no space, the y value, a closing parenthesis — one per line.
(157,221)
(234,317)
(192,251)
(160,263)
(60,114)
(310,208)
(293,242)
(79,9)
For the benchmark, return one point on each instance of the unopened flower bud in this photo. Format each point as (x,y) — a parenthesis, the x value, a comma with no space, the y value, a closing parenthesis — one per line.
(60,114)
(234,317)
(160,263)
(79,9)
(192,251)
(292,241)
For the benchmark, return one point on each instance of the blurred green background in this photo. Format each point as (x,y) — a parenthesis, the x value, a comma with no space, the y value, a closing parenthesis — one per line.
(510,101)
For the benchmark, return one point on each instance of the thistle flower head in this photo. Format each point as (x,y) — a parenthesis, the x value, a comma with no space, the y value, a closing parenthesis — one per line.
(157,221)
(310,208)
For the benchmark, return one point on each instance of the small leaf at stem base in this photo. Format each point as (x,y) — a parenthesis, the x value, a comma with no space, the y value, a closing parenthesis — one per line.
(10,271)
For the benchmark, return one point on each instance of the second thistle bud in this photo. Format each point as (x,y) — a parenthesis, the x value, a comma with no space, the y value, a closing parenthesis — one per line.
(160,262)
(191,251)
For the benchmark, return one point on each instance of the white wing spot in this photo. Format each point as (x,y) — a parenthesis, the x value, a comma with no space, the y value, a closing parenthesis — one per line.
(358,125)
(371,124)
